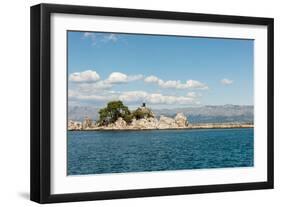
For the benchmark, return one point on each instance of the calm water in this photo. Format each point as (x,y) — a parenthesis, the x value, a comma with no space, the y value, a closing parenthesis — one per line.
(137,151)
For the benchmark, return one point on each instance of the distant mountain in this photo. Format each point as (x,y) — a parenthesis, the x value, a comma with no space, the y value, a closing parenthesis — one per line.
(78,113)
(202,114)
(213,113)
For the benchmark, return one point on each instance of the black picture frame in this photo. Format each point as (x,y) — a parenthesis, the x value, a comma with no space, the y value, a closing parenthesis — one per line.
(40,184)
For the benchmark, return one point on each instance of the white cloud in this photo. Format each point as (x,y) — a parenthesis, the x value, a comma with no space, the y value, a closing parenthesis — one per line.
(89,87)
(177,84)
(93,97)
(88,34)
(151,79)
(89,81)
(158,98)
(193,94)
(195,84)
(110,37)
(93,87)
(135,77)
(226,81)
(117,77)
(85,76)
(80,95)
(96,37)
(154,98)
(170,84)
(133,97)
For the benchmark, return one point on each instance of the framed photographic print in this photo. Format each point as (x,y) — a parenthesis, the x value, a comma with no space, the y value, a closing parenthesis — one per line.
(133,103)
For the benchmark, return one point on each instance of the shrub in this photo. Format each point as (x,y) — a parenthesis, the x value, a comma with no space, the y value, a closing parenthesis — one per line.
(140,113)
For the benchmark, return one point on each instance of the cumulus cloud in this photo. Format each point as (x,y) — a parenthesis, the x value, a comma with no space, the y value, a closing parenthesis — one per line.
(226,81)
(96,96)
(195,84)
(90,80)
(97,37)
(154,98)
(88,34)
(170,84)
(110,37)
(193,94)
(158,98)
(90,87)
(93,97)
(133,97)
(117,77)
(177,84)
(85,76)
(152,79)
(93,87)
(135,77)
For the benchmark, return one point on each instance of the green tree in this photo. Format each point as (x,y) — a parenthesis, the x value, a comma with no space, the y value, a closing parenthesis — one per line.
(113,111)
(142,113)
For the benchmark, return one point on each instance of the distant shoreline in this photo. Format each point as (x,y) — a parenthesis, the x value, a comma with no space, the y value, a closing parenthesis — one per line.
(190,126)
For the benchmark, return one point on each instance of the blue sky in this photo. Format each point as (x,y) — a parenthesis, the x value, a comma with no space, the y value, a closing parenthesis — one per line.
(163,71)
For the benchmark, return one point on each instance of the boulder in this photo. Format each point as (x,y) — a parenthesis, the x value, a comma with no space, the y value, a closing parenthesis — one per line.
(87,123)
(74,125)
(133,123)
(166,123)
(145,123)
(152,122)
(181,120)
(120,123)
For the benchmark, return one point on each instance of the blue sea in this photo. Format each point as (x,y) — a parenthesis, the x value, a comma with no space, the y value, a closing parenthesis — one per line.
(96,152)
